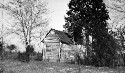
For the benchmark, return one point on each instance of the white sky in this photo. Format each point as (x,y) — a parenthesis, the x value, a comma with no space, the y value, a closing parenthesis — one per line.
(58,9)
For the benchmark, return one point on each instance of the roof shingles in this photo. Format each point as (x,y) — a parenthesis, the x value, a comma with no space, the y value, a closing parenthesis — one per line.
(63,37)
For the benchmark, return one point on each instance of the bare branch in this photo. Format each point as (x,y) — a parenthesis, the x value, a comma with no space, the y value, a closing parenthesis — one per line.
(29,15)
(122,11)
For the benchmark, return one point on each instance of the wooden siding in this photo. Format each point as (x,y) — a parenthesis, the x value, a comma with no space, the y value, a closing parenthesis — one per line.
(52,45)
(54,49)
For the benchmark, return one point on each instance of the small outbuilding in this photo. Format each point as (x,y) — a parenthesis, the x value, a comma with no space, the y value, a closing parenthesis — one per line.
(57,46)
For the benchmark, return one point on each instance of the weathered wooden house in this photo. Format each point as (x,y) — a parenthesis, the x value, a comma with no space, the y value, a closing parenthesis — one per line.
(57,46)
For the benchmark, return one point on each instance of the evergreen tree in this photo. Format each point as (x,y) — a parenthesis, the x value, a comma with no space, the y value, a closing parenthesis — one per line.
(91,15)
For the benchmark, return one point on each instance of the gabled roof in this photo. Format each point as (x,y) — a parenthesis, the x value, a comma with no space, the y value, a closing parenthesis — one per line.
(63,37)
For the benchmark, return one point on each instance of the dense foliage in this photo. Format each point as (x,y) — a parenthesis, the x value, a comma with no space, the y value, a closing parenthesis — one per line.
(91,15)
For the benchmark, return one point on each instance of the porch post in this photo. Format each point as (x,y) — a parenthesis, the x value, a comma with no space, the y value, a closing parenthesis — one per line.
(45,52)
(60,48)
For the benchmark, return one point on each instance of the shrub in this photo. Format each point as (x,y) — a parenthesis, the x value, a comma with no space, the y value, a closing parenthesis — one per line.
(29,49)
(21,56)
(39,57)
(93,60)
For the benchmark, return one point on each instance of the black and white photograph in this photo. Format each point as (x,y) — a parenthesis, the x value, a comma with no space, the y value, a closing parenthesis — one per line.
(62,36)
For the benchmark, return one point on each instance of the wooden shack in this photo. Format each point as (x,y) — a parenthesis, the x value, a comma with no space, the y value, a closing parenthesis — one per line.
(57,46)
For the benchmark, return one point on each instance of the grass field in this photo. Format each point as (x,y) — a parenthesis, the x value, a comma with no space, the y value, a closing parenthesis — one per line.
(10,66)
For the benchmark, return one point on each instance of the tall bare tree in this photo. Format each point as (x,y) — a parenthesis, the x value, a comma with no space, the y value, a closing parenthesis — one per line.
(117,15)
(30,18)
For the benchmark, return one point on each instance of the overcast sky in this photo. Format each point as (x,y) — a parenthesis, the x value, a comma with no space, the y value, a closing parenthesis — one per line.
(58,9)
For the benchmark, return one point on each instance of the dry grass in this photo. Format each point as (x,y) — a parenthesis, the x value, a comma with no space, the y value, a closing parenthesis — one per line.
(10,66)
